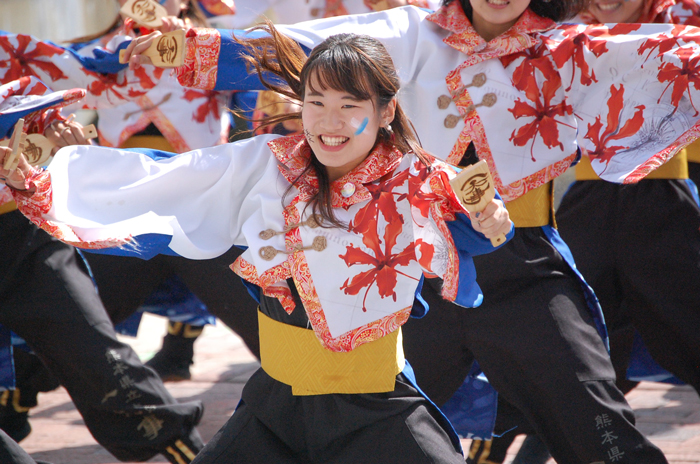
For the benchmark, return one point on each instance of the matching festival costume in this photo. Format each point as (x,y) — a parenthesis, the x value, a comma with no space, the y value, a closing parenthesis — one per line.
(528,102)
(48,298)
(639,247)
(146,107)
(332,300)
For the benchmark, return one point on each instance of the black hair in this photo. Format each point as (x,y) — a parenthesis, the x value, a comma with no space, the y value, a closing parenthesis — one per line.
(357,64)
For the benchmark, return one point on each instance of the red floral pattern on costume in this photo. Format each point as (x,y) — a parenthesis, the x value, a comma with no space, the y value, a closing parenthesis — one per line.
(380,186)
(574,50)
(536,54)
(38,121)
(681,78)
(601,135)
(201,59)
(544,113)
(23,56)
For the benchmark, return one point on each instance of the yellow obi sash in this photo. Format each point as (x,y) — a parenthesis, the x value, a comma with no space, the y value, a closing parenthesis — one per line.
(693,152)
(675,168)
(154,142)
(294,356)
(8,207)
(532,209)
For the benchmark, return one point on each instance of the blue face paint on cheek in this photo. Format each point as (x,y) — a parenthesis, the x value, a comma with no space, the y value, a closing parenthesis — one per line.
(362,126)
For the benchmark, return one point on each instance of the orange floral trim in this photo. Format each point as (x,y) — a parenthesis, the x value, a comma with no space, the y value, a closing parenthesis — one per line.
(465,38)
(266,282)
(38,204)
(349,340)
(201,59)
(440,212)
(294,154)
(128,131)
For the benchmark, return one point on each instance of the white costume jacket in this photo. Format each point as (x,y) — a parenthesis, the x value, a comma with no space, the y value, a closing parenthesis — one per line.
(357,285)
(528,99)
(126,101)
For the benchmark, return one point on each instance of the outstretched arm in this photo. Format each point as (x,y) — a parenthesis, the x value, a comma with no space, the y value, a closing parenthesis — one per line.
(213,58)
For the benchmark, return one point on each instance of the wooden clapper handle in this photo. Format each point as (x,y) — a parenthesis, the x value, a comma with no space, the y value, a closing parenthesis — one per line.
(168,51)
(36,147)
(147,13)
(17,144)
(474,188)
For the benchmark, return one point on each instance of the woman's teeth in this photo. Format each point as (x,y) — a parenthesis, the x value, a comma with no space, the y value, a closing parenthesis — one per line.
(333,141)
(498,2)
(608,6)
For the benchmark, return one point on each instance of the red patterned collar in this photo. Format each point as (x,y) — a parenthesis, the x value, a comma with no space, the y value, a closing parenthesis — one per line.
(465,38)
(294,152)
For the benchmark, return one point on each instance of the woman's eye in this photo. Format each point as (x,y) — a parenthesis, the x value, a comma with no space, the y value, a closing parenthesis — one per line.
(315,103)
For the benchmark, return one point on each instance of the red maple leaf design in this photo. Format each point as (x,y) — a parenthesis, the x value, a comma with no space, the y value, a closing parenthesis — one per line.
(693,16)
(681,78)
(613,131)
(104,83)
(426,251)
(209,106)
(420,199)
(144,80)
(21,62)
(544,113)
(534,58)
(663,43)
(383,200)
(384,263)
(575,48)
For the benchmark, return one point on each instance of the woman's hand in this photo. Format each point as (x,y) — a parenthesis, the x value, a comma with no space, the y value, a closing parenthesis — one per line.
(493,220)
(64,133)
(16,178)
(133,53)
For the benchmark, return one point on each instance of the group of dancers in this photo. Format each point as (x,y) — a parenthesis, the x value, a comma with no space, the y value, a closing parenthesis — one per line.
(352,228)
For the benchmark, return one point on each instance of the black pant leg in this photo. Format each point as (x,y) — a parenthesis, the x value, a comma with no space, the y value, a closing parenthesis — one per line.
(48,299)
(638,246)
(211,280)
(12,453)
(535,339)
(223,292)
(124,283)
(436,346)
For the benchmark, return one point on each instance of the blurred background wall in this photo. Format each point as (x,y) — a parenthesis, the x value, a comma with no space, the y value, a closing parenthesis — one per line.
(57,20)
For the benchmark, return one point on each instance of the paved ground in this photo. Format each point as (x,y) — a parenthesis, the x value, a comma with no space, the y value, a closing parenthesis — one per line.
(670,416)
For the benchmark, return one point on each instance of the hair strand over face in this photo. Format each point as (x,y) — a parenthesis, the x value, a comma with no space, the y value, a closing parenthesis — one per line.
(352,63)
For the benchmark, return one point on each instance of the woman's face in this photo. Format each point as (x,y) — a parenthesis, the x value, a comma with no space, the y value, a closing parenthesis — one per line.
(616,11)
(340,129)
(492,18)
